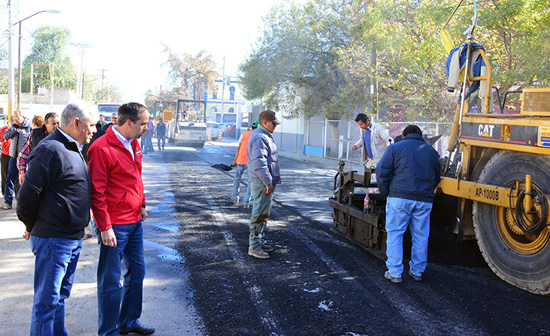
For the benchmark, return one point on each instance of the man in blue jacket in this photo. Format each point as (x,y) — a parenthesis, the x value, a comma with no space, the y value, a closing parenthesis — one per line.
(408,173)
(264,174)
(54,204)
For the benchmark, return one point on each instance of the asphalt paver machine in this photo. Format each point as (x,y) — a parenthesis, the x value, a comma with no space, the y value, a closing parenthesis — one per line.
(498,168)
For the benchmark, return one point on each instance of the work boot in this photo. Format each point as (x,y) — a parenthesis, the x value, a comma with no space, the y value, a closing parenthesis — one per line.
(392,278)
(258,254)
(415,277)
(267,248)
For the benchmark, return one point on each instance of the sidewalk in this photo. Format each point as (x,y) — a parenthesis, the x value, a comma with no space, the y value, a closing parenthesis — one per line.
(16,283)
(167,303)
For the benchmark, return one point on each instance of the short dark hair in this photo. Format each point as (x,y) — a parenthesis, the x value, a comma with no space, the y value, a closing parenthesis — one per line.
(130,111)
(50,115)
(361,117)
(412,129)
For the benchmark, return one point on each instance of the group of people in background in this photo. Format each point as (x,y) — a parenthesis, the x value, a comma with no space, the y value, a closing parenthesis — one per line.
(72,167)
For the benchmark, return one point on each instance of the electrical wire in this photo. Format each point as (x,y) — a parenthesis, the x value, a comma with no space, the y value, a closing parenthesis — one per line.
(526,225)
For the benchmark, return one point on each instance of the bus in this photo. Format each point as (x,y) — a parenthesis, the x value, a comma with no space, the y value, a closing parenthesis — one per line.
(107,110)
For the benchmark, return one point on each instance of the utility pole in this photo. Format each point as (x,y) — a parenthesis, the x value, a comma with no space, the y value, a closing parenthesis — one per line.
(80,79)
(102,82)
(373,83)
(10,64)
(223,89)
(102,76)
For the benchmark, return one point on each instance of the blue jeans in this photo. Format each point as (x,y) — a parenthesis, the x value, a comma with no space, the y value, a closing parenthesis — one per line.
(241,168)
(163,139)
(54,268)
(119,304)
(147,142)
(261,208)
(401,213)
(10,181)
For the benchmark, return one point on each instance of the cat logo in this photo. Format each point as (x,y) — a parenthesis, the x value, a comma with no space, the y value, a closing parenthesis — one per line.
(486,130)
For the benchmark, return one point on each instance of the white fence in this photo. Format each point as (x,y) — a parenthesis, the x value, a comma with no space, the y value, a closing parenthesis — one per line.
(334,138)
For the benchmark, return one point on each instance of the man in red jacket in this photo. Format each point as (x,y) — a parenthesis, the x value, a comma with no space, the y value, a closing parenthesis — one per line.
(118,206)
(5,156)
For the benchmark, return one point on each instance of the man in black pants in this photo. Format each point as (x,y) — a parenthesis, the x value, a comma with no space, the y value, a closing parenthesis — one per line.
(18,133)
(5,156)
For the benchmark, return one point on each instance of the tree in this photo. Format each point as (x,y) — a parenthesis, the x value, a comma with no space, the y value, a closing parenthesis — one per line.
(4,82)
(192,75)
(50,46)
(164,96)
(296,64)
(412,62)
(100,91)
(317,58)
(304,63)
(517,35)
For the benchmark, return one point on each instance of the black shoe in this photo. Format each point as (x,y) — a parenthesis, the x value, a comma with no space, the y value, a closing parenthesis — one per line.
(140,330)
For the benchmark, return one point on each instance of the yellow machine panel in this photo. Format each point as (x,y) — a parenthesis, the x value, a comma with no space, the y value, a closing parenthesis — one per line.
(167,115)
(536,102)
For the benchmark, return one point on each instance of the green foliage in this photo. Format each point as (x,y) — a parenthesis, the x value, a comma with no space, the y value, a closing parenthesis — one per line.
(50,46)
(192,75)
(100,91)
(296,64)
(516,34)
(316,58)
(4,74)
(153,101)
(4,83)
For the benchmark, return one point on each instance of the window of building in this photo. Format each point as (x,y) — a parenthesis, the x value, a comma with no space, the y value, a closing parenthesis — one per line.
(231,93)
(232,110)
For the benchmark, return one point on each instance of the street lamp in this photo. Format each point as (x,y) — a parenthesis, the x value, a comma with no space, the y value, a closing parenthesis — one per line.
(10,94)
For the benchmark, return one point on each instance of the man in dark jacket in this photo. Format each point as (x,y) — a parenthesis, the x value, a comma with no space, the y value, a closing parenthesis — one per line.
(264,174)
(408,173)
(18,133)
(54,204)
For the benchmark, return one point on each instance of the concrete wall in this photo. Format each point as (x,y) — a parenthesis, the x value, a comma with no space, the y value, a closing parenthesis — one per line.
(289,135)
(41,103)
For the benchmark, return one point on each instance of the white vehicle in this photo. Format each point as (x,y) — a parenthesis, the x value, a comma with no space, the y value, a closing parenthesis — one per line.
(107,110)
(186,127)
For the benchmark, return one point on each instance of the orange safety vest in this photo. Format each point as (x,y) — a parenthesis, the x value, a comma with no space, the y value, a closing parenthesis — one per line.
(241,155)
